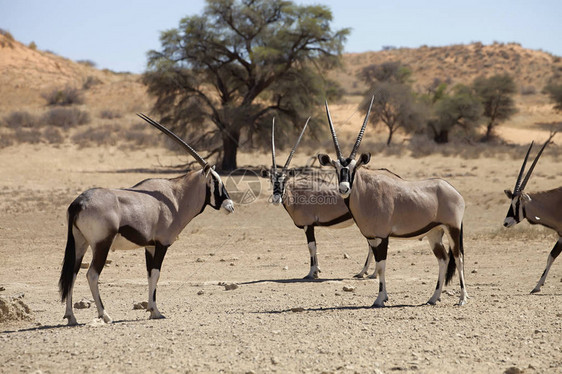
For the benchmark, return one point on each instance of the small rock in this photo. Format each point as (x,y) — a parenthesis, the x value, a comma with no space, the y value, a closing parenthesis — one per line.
(232,264)
(201,292)
(221,283)
(199,259)
(348,288)
(286,268)
(274,360)
(230,286)
(18,296)
(141,305)
(513,370)
(297,309)
(346,256)
(84,265)
(474,271)
(82,304)
(107,262)
(2,288)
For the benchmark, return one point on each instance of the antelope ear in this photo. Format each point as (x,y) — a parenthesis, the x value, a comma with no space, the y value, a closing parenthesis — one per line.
(264,173)
(508,193)
(206,170)
(526,198)
(364,159)
(324,159)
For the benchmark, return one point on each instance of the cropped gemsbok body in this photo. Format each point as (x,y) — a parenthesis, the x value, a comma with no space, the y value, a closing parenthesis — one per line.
(383,205)
(150,214)
(311,201)
(539,208)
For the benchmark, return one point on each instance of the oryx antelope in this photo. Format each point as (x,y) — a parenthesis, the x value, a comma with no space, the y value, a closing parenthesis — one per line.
(539,208)
(150,214)
(383,205)
(311,201)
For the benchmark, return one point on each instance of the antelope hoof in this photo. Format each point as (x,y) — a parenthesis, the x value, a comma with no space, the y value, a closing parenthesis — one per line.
(360,275)
(378,305)
(156,315)
(535,290)
(373,276)
(71,320)
(431,302)
(461,302)
(106,318)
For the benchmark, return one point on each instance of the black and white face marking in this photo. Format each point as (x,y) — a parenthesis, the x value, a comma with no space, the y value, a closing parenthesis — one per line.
(278,181)
(515,211)
(345,170)
(219,197)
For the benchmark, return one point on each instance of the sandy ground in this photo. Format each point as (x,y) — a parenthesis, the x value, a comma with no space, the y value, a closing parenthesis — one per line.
(274,321)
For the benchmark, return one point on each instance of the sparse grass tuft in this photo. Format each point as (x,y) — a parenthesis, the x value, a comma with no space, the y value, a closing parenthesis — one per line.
(109,114)
(64,96)
(89,63)
(104,135)
(90,82)
(53,135)
(20,119)
(65,117)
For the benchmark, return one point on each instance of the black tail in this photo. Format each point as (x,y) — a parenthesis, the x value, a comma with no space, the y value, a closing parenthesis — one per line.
(452,266)
(69,264)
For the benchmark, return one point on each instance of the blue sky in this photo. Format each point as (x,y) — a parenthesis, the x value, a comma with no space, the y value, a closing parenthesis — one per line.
(117,34)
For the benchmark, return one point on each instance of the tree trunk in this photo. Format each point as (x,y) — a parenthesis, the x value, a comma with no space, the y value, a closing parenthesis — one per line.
(441,137)
(230,150)
(389,140)
(489,129)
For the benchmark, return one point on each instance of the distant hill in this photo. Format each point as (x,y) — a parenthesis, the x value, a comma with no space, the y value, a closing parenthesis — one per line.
(531,69)
(26,73)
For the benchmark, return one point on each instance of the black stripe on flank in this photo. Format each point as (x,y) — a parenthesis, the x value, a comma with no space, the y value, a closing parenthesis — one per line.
(335,221)
(134,236)
(418,232)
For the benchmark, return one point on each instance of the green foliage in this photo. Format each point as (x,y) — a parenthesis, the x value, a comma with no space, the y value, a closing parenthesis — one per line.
(395,106)
(461,108)
(392,71)
(496,94)
(554,91)
(222,76)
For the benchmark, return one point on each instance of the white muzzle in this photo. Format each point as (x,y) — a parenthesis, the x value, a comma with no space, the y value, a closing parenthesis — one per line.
(345,189)
(227,206)
(276,199)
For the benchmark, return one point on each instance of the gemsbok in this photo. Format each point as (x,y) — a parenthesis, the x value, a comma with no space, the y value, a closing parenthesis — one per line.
(384,205)
(311,201)
(539,208)
(150,214)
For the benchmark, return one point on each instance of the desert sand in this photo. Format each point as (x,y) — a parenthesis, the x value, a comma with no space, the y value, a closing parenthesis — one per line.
(275,321)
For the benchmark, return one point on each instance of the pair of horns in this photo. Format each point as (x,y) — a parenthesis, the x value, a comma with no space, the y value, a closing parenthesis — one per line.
(174,137)
(520,185)
(359,137)
(292,151)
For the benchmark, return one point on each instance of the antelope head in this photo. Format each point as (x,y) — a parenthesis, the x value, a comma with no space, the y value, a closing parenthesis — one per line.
(278,178)
(518,197)
(346,167)
(217,194)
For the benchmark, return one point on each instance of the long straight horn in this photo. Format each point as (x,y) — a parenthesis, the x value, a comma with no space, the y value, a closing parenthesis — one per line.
(273,146)
(520,176)
(534,163)
(295,147)
(360,136)
(334,137)
(183,144)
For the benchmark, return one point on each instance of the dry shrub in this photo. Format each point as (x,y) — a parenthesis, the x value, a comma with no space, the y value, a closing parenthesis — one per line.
(90,81)
(64,96)
(65,117)
(30,136)
(20,119)
(109,114)
(104,135)
(6,140)
(8,40)
(53,135)
(89,63)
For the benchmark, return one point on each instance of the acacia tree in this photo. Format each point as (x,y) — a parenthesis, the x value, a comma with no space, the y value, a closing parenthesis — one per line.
(459,109)
(221,76)
(554,91)
(495,94)
(395,106)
